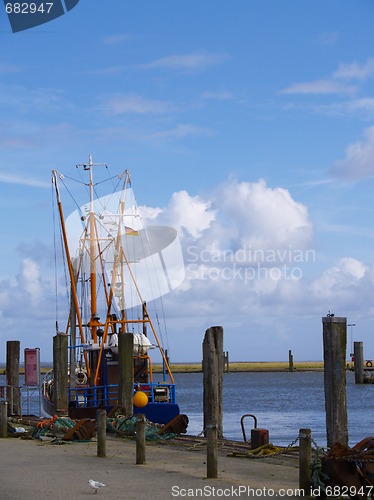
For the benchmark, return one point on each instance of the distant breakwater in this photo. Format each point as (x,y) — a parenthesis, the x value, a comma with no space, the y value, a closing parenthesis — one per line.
(251,366)
(234,366)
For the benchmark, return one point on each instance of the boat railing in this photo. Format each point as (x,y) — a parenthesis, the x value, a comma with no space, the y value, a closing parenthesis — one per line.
(157,392)
(103,395)
(12,395)
(107,395)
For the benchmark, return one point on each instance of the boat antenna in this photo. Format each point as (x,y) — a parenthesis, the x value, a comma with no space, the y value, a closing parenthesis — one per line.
(90,164)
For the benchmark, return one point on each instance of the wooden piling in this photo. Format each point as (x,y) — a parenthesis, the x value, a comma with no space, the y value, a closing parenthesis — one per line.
(3,419)
(140,439)
(61,373)
(101,432)
(305,460)
(226,363)
(213,376)
(212,394)
(290,361)
(126,372)
(358,362)
(334,351)
(211,452)
(12,377)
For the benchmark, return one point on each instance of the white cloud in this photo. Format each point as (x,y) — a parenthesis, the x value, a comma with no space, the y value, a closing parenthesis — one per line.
(320,87)
(336,84)
(30,278)
(107,71)
(327,38)
(353,267)
(264,217)
(365,104)
(22,181)
(118,104)
(239,245)
(238,214)
(31,292)
(359,160)
(188,62)
(182,130)
(188,214)
(116,39)
(10,68)
(22,99)
(355,71)
(340,280)
(360,106)
(27,288)
(219,95)
(149,213)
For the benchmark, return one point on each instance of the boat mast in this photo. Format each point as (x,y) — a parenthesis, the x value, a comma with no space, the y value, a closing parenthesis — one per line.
(121,261)
(94,320)
(93,280)
(69,260)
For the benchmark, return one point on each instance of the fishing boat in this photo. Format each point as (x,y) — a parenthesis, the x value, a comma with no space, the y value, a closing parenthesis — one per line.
(109,253)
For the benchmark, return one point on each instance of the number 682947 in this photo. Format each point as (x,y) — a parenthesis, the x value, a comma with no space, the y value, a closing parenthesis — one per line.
(28,8)
(349,491)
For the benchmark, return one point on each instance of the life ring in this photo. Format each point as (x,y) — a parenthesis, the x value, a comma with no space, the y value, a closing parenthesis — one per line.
(81,377)
(369,364)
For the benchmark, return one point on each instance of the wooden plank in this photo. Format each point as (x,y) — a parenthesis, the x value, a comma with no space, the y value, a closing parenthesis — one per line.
(178,425)
(83,430)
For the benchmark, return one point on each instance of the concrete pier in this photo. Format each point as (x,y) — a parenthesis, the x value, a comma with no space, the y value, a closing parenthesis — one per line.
(170,472)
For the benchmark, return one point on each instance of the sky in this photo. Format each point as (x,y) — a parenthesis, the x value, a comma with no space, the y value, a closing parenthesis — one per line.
(248,126)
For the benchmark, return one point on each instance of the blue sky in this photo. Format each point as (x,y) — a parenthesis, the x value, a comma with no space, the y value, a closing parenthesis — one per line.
(248,125)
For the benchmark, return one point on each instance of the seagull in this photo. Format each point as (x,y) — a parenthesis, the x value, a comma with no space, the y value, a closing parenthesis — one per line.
(95,485)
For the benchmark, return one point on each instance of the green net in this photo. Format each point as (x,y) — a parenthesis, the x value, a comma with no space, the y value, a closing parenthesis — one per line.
(126,426)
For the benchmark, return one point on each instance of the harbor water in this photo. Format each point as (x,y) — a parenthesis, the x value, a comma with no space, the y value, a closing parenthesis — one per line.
(282,402)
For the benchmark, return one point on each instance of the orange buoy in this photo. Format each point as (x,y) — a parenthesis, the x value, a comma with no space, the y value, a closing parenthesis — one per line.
(140,399)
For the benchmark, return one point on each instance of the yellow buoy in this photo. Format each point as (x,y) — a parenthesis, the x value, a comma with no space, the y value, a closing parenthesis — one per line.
(140,399)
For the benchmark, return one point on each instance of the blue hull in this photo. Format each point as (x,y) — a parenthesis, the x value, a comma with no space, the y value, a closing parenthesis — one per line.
(160,413)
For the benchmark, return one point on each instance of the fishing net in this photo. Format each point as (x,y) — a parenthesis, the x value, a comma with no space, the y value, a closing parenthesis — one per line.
(126,427)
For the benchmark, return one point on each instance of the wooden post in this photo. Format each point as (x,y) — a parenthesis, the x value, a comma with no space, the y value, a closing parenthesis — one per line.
(60,371)
(226,364)
(101,432)
(290,361)
(305,459)
(213,376)
(140,439)
(211,452)
(12,376)
(358,362)
(126,372)
(3,419)
(212,394)
(334,352)
(166,357)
